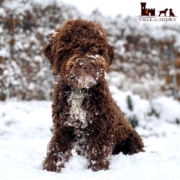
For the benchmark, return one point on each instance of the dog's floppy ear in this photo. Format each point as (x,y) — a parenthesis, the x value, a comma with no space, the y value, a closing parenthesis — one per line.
(111,53)
(47,53)
(47,50)
(54,51)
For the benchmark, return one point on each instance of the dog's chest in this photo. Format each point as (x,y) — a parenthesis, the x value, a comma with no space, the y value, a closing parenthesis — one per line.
(78,119)
(77,115)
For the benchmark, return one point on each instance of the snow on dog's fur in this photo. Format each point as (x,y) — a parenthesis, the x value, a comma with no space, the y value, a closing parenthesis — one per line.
(85,117)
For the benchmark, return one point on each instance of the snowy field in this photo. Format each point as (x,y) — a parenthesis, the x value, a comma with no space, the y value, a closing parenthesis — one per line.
(25,133)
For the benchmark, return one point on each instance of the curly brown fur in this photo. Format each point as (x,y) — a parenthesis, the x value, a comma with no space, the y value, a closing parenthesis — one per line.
(85,117)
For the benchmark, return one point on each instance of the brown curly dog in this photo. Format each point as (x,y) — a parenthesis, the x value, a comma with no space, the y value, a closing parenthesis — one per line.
(85,117)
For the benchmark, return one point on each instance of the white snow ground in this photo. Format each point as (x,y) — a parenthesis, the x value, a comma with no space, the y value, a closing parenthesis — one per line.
(25,133)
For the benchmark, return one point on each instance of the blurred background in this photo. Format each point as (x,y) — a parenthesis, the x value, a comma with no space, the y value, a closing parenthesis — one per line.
(144,80)
(147,55)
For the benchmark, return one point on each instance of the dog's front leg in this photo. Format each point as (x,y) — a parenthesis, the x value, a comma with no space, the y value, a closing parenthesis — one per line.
(99,155)
(59,150)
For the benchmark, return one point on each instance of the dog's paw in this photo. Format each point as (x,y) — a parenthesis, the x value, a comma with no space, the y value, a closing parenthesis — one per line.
(96,166)
(53,166)
(132,146)
(135,149)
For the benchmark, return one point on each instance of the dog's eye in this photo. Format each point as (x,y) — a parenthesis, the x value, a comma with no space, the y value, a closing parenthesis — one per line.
(100,52)
(71,66)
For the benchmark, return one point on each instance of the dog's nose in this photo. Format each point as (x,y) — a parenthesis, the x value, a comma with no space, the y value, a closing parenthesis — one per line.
(87,67)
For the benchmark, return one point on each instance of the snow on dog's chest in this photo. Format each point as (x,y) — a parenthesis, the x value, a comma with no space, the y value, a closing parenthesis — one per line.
(77,114)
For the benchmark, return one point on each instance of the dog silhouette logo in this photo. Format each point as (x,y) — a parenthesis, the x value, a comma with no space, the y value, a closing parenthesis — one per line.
(171,13)
(149,14)
(163,12)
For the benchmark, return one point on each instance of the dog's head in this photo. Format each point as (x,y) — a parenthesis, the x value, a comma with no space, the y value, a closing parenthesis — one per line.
(79,52)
